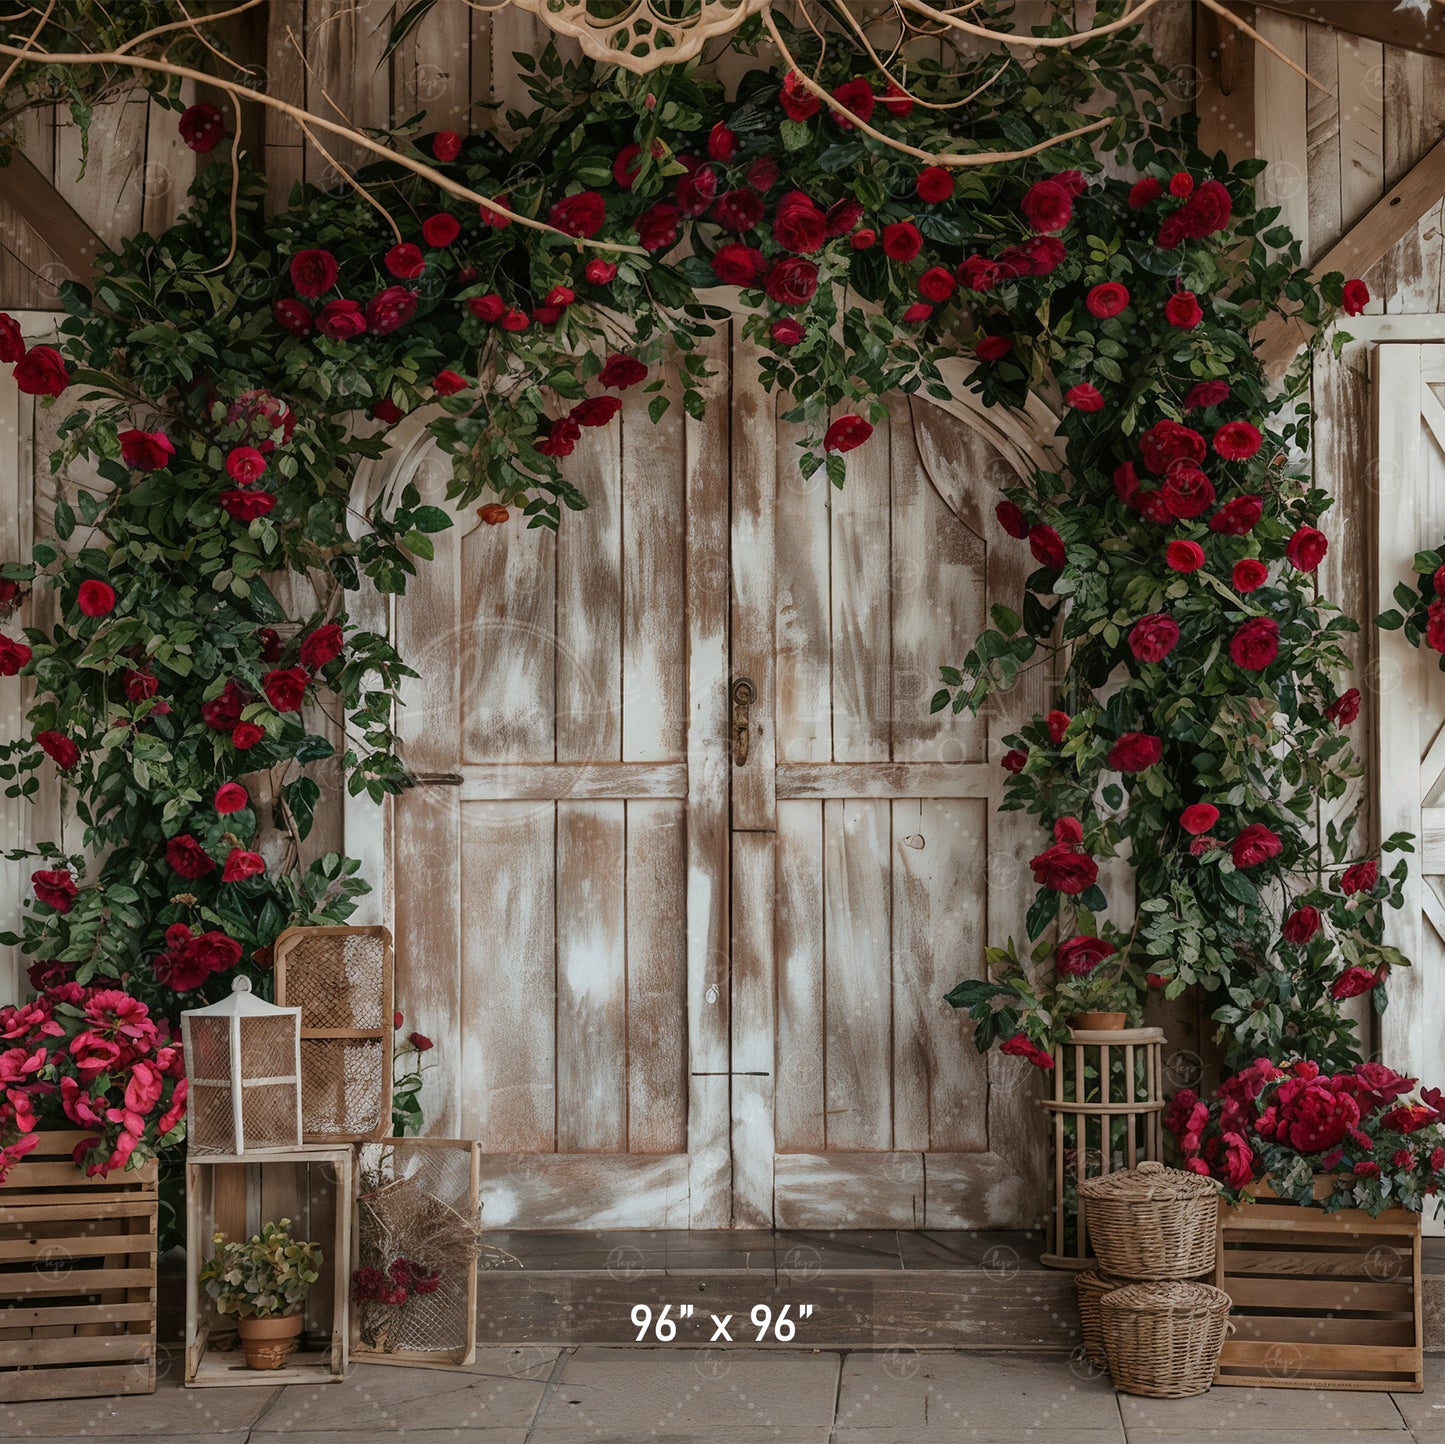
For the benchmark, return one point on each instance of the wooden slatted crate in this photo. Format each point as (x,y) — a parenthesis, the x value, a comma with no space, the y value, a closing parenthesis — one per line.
(1321,1300)
(77,1278)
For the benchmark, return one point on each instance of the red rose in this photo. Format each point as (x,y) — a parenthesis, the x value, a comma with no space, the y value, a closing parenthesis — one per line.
(405,261)
(1256,644)
(799,225)
(1107,299)
(762,174)
(1080,955)
(387,410)
(738,265)
(600,273)
(1012,519)
(440,230)
(1167,442)
(1183,311)
(561,296)
(1152,638)
(737,211)
(936,284)
(1249,575)
(446,145)
(321,647)
(596,410)
(579,215)
(1060,869)
(420,1042)
(863,240)
(1184,556)
(223,711)
(1057,724)
(1019,1047)
(561,438)
(1301,925)
(1134,751)
(285,688)
(1187,492)
(1198,818)
(490,307)
(1045,254)
(1144,191)
(620,372)
(791,281)
(979,273)
(1014,761)
(12,340)
(1237,517)
(241,864)
(244,465)
(657,227)
(1408,1117)
(1048,205)
(1435,628)
(55,888)
(1345,708)
(1254,845)
(13,656)
(341,320)
(1306,549)
(917,313)
(96,599)
(1355,296)
(934,184)
(897,101)
(1206,393)
(448,383)
(41,371)
(843,215)
(387,312)
(140,686)
(626,165)
(993,348)
(854,95)
(1047,547)
(145,450)
(1361,877)
(846,433)
(246,505)
(187,858)
(1084,397)
(1069,830)
(1237,440)
(231,797)
(202,128)
(722,144)
(245,735)
(796,99)
(787,332)
(1352,982)
(1181,184)
(1310,1116)
(495,215)
(901,241)
(313,273)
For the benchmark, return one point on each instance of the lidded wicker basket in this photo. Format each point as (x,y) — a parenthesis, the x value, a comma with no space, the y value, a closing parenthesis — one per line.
(1152,1222)
(1091,1286)
(1162,1340)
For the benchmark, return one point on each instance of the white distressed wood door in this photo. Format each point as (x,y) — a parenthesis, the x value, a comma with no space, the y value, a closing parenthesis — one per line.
(869,862)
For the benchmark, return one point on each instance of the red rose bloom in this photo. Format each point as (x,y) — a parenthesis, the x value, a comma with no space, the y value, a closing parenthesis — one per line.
(1306,549)
(1237,517)
(1237,440)
(1012,519)
(1134,751)
(422,1044)
(1309,1115)
(313,273)
(140,686)
(1198,818)
(1355,297)
(1254,845)
(1019,1047)
(843,215)
(600,273)
(202,128)
(1167,442)
(855,95)
(1345,708)
(244,465)
(96,599)
(495,215)
(657,227)
(1057,724)
(1068,830)
(993,348)
(1352,982)
(12,340)
(440,230)
(937,284)
(446,145)
(897,101)
(1184,556)
(1435,628)
(1256,644)
(387,410)
(285,688)
(762,174)
(223,711)
(245,735)
(246,505)
(405,261)
(1206,393)
(791,281)
(722,144)
(1301,925)
(979,273)
(934,184)
(341,320)
(187,858)
(1014,761)
(626,165)
(1249,575)
(1181,184)
(1047,547)
(1183,311)
(1152,638)
(55,888)
(321,647)
(1080,955)
(241,864)
(596,410)
(1362,877)
(799,225)
(1044,254)
(1107,299)
(798,102)
(901,241)
(1187,492)
(620,372)
(389,311)
(578,215)
(737,211)
(863,240)
(561,438)
(738,265)
(230,797)
(1144,192)
(846,433)
(145,450)
(787,332)
(1084,397)
(41,371)
(448,383)
(917,313)
(1060,869)
(13,656)
(1048,205)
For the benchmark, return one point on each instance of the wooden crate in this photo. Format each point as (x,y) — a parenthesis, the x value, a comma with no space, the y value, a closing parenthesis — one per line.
(1321,1300)
(310,1185)
(77,1278)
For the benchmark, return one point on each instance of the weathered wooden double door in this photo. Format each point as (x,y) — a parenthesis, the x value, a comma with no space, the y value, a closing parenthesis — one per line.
(683,955)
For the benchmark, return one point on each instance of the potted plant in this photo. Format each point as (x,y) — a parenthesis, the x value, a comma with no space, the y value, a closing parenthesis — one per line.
(1101,1000)
(262,1283)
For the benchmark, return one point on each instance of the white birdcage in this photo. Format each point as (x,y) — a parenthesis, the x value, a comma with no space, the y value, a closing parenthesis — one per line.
(243,1059)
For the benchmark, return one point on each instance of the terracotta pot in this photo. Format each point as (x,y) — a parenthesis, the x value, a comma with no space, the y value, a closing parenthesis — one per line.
(268,1342)
(1099,1022)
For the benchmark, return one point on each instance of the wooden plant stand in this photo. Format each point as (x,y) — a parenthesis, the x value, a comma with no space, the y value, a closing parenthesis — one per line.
(77,1278)
(1320,1300)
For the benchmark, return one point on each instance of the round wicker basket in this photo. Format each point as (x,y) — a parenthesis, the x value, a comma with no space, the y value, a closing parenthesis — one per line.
(1163,1340)
(1152,1222)
(1092,1285)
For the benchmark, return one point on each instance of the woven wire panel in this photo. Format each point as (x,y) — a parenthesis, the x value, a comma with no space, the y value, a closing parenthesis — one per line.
(340,1091)
(212,1127)
(416,1204)
(210,1048)
(338,981)
(268,1116)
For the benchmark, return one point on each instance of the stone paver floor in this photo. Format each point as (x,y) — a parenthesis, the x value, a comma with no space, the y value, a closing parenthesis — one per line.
(733,1396)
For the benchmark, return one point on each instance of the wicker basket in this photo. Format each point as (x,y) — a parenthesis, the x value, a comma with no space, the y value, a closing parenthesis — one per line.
(1092,1285)
(1163,1340)
(1152,1222)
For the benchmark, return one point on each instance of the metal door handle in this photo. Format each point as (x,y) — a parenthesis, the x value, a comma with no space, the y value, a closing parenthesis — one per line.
(744,694)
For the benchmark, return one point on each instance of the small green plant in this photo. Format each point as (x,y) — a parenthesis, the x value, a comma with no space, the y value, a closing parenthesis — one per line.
(1104,991)
(265,1277)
